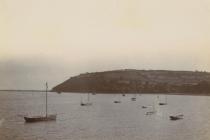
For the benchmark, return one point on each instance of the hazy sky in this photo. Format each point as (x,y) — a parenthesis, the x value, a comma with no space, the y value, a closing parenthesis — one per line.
(51,40)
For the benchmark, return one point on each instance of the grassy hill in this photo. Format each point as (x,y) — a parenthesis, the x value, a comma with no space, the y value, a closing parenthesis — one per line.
(140,81)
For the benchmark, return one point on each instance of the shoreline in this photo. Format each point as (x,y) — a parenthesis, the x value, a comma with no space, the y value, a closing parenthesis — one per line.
(76,92)
(190,94)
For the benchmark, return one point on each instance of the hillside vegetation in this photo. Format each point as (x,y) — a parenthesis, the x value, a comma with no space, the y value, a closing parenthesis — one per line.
(138,81)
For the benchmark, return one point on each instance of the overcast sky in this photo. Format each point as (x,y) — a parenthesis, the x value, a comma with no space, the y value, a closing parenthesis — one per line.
(51,40)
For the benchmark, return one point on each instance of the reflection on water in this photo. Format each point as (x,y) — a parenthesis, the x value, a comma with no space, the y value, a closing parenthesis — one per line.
(104,120)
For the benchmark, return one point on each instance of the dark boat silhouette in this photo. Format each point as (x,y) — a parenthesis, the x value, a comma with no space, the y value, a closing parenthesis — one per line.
(177,117)
(143,106)
(133,99)
(153,111)
(88,101)
(51,117)
(85,104)
(163,103)
(41,118)
(117,101)
(150,112)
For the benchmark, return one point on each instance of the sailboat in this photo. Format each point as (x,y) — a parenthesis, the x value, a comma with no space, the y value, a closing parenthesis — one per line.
(88,101)
(153,110)
(133,98)
(164,103)
(117,101)
(47,117)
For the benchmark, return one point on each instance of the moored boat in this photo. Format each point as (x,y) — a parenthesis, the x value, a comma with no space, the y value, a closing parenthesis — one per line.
(40,118)
(51,117)
(177,117)
(150,112)
(153,111)
(88,103)
(163,103)
(143,106)
(117,101)
(133,99)
(85,104)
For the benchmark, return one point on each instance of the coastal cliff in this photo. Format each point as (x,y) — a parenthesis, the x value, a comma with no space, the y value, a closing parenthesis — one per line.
(138,81)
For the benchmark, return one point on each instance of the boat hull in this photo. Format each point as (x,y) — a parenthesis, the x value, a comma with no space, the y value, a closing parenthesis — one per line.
(40,118)
(162,103)
(144,107)
(85,104)
(178,117)
(117,101)
(133,99)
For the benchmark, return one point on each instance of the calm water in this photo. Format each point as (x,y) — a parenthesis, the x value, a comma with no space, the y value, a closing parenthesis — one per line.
(104,120)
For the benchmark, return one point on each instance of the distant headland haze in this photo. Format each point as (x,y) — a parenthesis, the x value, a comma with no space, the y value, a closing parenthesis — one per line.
(138,81)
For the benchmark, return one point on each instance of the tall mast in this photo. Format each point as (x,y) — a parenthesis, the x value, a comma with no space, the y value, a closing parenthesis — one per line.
(46,97)
(80,99)
(88,97)
(153,106)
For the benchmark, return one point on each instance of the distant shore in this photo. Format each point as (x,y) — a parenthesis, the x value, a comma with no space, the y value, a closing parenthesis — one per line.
(190,94)
(139,81)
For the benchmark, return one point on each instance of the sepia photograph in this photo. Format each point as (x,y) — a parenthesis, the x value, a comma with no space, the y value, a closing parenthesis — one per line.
(104,69)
